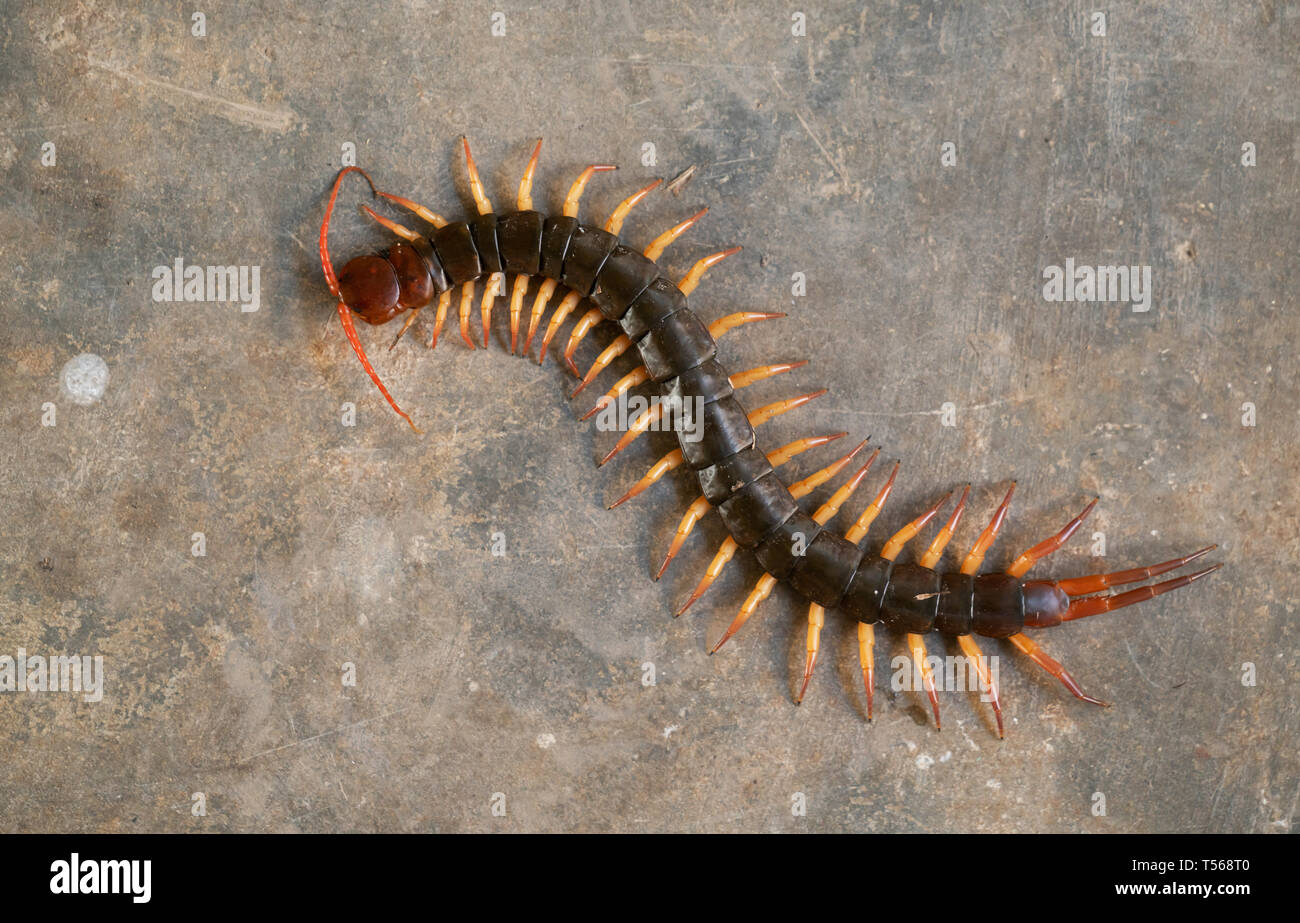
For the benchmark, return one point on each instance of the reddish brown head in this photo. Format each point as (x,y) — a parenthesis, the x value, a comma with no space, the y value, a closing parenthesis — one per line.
(379,288)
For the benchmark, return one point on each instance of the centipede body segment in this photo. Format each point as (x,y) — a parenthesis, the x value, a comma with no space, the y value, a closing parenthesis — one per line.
(743,484)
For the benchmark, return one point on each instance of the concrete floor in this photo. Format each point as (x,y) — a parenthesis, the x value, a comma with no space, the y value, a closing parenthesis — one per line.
(521,674)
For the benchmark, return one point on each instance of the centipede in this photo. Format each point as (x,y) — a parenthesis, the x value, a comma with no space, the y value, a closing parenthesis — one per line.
(620,284)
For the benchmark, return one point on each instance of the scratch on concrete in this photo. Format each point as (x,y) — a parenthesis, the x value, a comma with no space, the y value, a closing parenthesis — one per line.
(277,120)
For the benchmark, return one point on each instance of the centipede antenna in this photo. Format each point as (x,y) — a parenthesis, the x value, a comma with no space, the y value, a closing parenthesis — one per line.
(916,644)
(975,557)
(428,215)
(405,326)
(1038,656)
(494,286)
(638,376)
(976,657)
(475,184)
(345,313)
(517,294)
(579,184)
(350,331)
(905,534)
(867,657)
(1095,605)
(703,265)
(544,293)
(615,222)
(577,335)
(660,243)
(935,551)
(525,200)
(327,265)
(561,314)
(816,619)
(1082,586)
(1031,557)
(444,302)
(466,305)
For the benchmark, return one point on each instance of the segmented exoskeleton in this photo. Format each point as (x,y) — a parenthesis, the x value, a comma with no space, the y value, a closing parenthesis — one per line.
(679,353)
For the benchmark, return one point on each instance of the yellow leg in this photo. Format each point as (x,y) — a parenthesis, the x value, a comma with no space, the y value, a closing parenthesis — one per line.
(517,294)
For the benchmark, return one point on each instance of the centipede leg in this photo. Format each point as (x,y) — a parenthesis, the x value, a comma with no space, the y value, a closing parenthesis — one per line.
(727,549)
(703,265)
(579,333)
(935,551)
(517,294)
(867,657)
(611,352)
(980,662)
(1031,557)
(660,243)
(638,376)
(466,305)
(1095,605)
(916,644)
(797,490)
(410,319)
(762,590)
(1095,583)
(1036,654)
(816,620)
(444,302)
(975,557)
(475,184)
(494,286)
(824,514)
(900,538)
(544,293)
(561,314)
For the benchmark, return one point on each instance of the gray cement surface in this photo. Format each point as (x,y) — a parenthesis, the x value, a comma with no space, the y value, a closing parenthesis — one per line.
(516,681)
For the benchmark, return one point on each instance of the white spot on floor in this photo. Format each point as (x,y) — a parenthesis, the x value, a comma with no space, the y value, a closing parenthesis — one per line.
(84,379)
(545,741)
(669,730)
(924,761)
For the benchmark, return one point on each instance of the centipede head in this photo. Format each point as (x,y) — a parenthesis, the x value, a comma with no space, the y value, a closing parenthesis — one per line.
(375,288)
(369,286)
